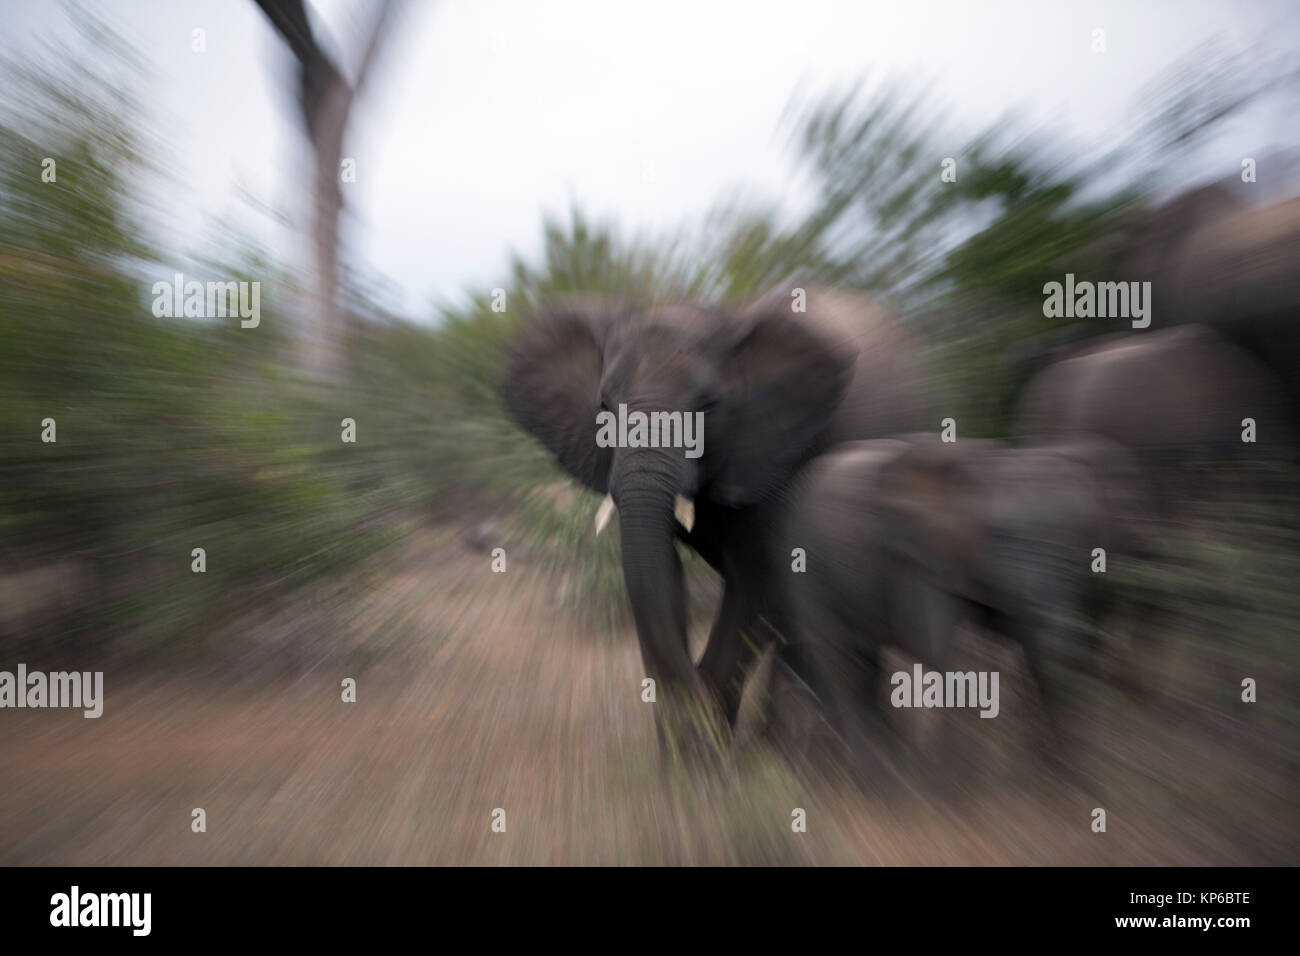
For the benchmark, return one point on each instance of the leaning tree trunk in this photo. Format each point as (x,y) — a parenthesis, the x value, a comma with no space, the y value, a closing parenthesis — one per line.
(322,350)
(325,100)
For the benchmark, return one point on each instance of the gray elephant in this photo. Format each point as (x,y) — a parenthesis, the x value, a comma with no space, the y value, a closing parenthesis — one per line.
(1216,260)
(1140,243)
(904,539)
(773,387)
(1241,274)
(1173,397)
(877,573)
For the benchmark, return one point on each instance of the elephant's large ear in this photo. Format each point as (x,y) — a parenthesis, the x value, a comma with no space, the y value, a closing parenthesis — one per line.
(552,377)
(783,382)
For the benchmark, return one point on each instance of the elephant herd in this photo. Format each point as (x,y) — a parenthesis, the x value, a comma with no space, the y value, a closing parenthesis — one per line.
(840,523)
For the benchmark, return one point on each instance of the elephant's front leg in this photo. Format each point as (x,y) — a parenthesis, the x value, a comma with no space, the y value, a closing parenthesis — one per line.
(733,645)
(688,717)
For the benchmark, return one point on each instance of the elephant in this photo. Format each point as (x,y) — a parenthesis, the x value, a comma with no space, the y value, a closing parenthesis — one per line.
(1173,397)
(906,538)
(1241,275)
(1141,242)
(865,585)
(1214,259)
(773,386)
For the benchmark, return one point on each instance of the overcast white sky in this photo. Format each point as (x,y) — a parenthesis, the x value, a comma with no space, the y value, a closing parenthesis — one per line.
(490,111)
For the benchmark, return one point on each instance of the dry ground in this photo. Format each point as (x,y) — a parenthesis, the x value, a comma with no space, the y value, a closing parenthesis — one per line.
(478,691)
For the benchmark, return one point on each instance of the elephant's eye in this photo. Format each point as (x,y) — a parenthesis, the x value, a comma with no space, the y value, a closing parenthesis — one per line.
(604,404)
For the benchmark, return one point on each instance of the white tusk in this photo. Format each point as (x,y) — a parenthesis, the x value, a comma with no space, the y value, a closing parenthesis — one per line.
(684,510)
(603,513)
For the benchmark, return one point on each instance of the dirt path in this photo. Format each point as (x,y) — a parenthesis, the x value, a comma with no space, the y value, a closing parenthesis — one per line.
(476,691)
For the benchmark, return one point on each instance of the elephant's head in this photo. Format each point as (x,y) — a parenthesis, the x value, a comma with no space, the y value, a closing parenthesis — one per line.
(762,382)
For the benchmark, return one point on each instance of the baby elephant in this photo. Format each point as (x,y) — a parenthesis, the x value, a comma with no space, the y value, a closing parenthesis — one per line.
(905,538)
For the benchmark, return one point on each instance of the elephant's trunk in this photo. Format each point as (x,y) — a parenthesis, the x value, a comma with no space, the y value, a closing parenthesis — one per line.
(652,573)
(650,488)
